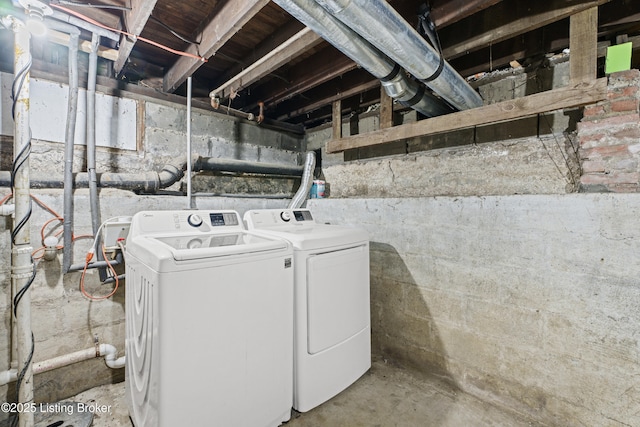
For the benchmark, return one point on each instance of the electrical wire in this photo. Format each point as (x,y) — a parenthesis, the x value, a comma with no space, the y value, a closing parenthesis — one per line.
(20,77)
(94,6)
(135,37)
(84,272)
(172,31)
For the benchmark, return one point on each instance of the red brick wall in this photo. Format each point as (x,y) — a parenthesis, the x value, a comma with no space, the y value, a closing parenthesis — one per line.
(609,136)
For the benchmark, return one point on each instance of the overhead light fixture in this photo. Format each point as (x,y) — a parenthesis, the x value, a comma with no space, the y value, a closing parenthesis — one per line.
(35,11)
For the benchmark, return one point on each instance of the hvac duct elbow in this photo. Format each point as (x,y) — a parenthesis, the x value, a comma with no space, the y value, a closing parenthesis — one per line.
(411,94)
(386,29)
(305,184)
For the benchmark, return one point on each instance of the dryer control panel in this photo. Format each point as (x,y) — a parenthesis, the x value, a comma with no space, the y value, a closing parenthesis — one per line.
(274,217)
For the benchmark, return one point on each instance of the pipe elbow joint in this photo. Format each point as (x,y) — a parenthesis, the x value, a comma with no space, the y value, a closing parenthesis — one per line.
(169,175)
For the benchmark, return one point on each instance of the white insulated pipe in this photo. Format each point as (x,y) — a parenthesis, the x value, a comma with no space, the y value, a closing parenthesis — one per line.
(91,133)
(108,351)
(22,267)
(72,109)
(189,198)
(380,24)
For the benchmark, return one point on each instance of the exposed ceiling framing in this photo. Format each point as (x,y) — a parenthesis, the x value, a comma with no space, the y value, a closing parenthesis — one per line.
(254,52)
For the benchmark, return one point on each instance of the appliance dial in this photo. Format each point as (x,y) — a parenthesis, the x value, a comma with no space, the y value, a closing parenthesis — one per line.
(286,216)
(194,220)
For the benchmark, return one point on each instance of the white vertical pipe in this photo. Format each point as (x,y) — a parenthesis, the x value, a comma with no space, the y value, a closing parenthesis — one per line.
(22,265)
(91,133)
(72,110)
(189,201)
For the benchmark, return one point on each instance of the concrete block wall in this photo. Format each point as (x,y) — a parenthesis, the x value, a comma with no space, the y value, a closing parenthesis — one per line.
(526,301)
(609,137)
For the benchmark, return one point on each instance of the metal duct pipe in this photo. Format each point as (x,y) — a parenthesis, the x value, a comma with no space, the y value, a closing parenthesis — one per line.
(72,110)
(393,78)
(386,29)
(150,182)
(305,184)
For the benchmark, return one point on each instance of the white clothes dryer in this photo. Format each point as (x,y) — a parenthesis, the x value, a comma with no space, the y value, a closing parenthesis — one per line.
(332,325)
(209,327)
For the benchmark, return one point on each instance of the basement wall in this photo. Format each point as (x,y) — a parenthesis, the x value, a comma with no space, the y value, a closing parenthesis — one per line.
(502,269)
(63,320)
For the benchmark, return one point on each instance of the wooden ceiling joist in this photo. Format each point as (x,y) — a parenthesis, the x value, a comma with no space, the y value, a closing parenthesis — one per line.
(567,97)
(508,22)
(227,22)
(301,42)
(135,20)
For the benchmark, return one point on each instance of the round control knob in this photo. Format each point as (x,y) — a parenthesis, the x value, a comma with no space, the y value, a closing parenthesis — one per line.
(194,220)
(286,216)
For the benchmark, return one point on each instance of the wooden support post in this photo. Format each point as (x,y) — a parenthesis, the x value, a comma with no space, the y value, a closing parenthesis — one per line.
(386,109)
(336,119)
(583,44)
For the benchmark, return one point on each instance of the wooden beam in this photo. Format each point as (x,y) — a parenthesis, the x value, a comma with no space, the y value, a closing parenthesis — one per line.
(336,119)
(351,91)
(386,109)
(452,11)
(583,45)
(135,20)
(567,97)
(301,42)
(281,35)
(84,45)
(508,22)
(228,21)
(312,72)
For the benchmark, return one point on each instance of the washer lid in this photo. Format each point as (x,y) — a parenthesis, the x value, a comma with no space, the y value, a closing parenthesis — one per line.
(199,246)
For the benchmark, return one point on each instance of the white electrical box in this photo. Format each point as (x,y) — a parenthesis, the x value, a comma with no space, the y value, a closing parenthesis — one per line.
(115,230)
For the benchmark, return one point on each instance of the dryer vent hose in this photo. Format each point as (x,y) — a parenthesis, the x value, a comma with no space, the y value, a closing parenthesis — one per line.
(305,185)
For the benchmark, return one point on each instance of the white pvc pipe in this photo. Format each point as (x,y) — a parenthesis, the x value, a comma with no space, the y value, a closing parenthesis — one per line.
(21,263)
(189,204)
(108,351)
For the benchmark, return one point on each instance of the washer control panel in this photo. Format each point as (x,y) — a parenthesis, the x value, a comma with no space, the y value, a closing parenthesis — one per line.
(194,220)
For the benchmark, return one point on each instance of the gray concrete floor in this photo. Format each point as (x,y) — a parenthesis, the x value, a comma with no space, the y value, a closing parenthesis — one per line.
(386,396)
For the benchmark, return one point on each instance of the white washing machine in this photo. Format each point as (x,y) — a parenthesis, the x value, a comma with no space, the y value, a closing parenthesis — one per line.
(209,329)
(332,325)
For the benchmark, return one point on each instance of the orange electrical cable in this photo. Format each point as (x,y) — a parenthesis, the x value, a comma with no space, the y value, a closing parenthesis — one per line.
(84,271)
(106,27)
(5,198)
(44,205)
